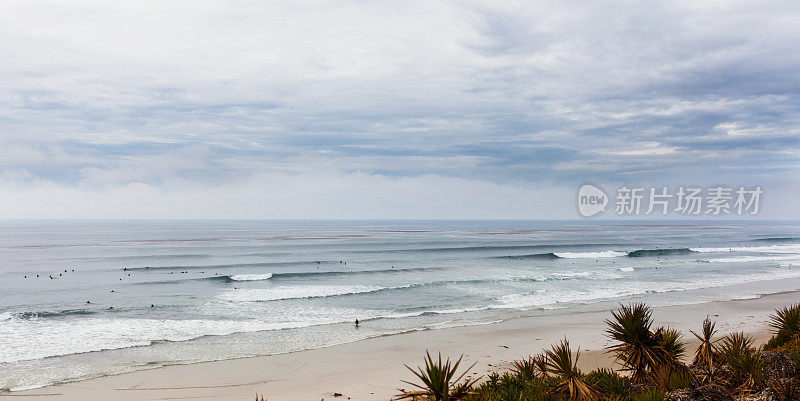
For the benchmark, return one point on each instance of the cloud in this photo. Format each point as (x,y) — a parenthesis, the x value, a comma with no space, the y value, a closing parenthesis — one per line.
(115,98)
(301,196)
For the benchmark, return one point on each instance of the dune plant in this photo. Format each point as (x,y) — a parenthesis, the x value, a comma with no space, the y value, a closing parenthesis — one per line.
(511,387)
(670,377)
(784,389)
(734,344)
(649,395)
(608,382)
(745,361)
(704,355)
(525,367)
(637,348)
(439,381)
(570,385)
(671,342)
(785,325)
(541,365)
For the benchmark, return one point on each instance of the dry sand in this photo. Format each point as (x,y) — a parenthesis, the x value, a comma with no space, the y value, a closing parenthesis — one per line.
(372,369)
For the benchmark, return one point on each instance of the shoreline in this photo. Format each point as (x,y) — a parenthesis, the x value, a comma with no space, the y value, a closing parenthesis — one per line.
(372,369)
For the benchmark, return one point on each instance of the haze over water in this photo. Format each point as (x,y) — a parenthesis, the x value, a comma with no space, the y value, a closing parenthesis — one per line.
(116,296)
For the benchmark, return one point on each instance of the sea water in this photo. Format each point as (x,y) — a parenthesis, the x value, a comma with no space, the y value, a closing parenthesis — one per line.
(82,299)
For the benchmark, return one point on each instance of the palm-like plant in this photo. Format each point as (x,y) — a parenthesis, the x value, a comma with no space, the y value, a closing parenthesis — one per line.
(649,395)
(785,324)
(637,348)
(785,389)
(744,360)
(704,355)
(734,344)
(438,383)
(670,341)
(525,367)
(572,385)
(541,365)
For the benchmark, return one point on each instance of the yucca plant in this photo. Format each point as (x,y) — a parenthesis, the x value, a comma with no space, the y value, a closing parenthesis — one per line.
(704,355)
(672,374)
(785,324)
(571,384)
(438,383)
(670,341)
(785,389)
(609,383)
(525,367)
(734,344)
(637,348)
(511,387)
(650,395)
(541,365)
(744,360)
(671,377)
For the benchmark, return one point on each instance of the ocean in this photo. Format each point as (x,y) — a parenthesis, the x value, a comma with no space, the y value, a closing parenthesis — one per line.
(83,299)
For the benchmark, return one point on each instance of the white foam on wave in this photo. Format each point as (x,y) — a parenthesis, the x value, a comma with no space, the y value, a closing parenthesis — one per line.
(626,269)
(457,311)
(251,277)
(26,339)
(29,339)
(747,258)
(6,316)
(294,292)
(794,248)
(546,299)
(590,255)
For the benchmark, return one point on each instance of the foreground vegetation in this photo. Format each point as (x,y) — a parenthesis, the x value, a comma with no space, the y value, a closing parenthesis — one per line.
(651,363)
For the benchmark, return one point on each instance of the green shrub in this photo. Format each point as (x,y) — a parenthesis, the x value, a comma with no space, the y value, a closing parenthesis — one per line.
(650,395)
(785,325)
(439,381)
(744,359)
(608,382)
(512,387)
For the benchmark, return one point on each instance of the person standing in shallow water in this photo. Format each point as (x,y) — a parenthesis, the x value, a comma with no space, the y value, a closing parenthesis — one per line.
(356,322)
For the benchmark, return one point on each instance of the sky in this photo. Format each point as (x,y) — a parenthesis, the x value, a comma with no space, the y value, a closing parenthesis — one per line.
(373,109)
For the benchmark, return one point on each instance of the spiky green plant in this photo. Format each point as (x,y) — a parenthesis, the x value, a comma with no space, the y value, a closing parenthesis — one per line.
(785,389)
(745,361)
(735,343)
(672,377)
(638,350)
(650,395)
(704,355)
(525,367)
(541,365)
(438,383)
(785,325)
(511,387)
(671,341)
(571,384)
(608,382)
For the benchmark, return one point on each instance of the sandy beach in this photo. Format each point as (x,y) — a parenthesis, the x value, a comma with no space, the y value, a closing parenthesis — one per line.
(372,369)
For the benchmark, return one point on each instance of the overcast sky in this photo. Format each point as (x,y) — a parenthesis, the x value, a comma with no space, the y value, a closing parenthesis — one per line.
(404,109)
